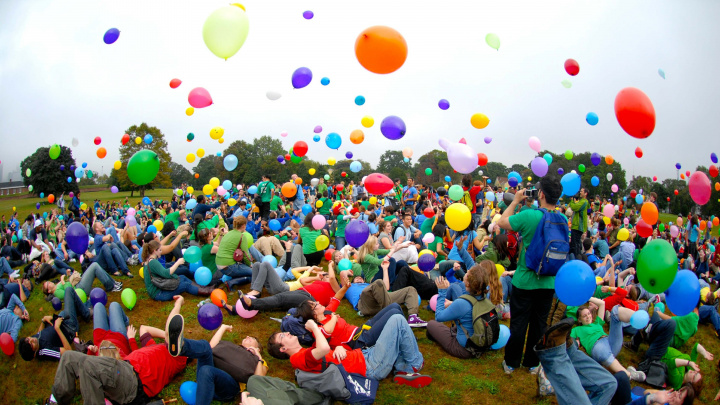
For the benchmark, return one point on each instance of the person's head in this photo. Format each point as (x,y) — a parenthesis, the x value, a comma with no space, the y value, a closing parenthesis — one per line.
(28,347)
(500,242)
(151,250)
(439,230)
(684,396)
(204,237)
(694,220)
(550,190)
(307,222)
(370,246)
(587,245)
(282,344)
(337,255)
(200,199)
(482,278)
(108,349)
(410,181)
(467,181)
(251,341)
(311,309)
(266,177)
(48,289)
(586,314)
(239,223)
(407,219)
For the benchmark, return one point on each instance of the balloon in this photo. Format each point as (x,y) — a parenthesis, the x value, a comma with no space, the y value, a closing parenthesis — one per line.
(591,118)
(318,222)
(325,81)
(684,293)
(534,143)
(458,217)
(699,187)
(455,192)
(77,238)
(623,234)
(482,160)
(81,294)
(7,344)
(502,339)
(713,170)
(317,129)
(429,237)
(649,213)
(230,162)
(274,225)
(407,152)
(447,178)
(462,157)
(322,242)
(433,302)
(97,294)
(203,275)
(639,199)
(199,98)
(490,196)
(355,166)
(614,188)
(300,148)
(51,198)
(679,219)
(639,319)
(570,183)
(572,68)
(595,181)
(356,233)
(539,166)
(114,189)
(359,100)
(289,190)
(643,228)
(56,303)
(333,140)
(493,41)
(270,259)
(143,167)
(225,30)
(227,185)
(242,311)
(657,266)
(217,297)
(566,83)
(635,112)
(393,127)
(192,254)
(716,221)
(75,142)
(381,49)
(443,104)
(575,283)
(428,171)
(301,77)
(638,152)
(210,317)
(703,225)
(426,262)
(344,264)
(54,151)
(479,120)
(568,154)
(377,183)
(111,36)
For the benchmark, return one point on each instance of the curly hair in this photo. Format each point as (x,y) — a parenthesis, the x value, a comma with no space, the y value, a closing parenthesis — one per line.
(483,276)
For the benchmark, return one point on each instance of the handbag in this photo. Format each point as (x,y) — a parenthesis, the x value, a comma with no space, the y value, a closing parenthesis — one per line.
(167,284)
(655,371)
(238,254)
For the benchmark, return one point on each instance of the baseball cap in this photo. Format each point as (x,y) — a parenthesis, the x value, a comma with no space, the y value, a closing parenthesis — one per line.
(38,222)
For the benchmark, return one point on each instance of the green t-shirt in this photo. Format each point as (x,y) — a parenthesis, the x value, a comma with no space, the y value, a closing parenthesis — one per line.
(525,223)
(228,244)
(589,334)
(327,204)
(158,270)
(174,217)
(433,248)
(685,327)
(426,226)
(341,224)
(208,259)
(677,374)
(365,204)
(308,239)
(207,224)
(266,191)
(389,218)
(322,190)
(275,202)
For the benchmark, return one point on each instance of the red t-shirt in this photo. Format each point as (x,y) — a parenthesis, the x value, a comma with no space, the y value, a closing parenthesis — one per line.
(118,339)
(305,361)
(156,367)
(619,299)
(474,191)
(320,290)
(343,331)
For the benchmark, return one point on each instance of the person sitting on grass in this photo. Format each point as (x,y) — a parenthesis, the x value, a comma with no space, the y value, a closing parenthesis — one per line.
(112,330)
(12,317)
(682,368)
(395,348)
(116,260)
(264,275)
(85,283)
(153,268)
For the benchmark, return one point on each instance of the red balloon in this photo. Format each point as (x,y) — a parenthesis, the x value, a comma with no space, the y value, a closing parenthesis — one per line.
(633,193)
(713,171)
(638,152)
(125,139)
(676,192)
(687,173)
(340,187)
(654,178)
(97,140)
(329,254)
(377,183)
(668,198)
(643,229)
(7,344)
(287,157)
(482,159)
(572,67)
(635,112)
(428,212)
(300,148)
(343,174)
(174,83)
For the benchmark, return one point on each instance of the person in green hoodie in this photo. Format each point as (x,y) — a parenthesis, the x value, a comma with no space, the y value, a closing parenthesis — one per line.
(579,206)
(684,369)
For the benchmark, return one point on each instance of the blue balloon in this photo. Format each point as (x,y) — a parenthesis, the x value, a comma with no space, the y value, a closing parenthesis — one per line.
(301,77)
(69,179)
(516,176)
(355,166)
(42,195)
(324,81)
(225,278)
(280,159)
(490,196)
(151,229)
(639,319)
(639,199)
(246,213)
(406,160)
(684,293)
(591,118)
(575,283)
(148,139)
(190,204)
(348,155)
(111,36)
(20,233)
(227,185)
(548,158)
(84,165)
(79,173)
(203,275)
(713,157)
(447,178)
(306,209)
(62,167)
(571,185)
(333,140)
(359,100)
(195,266)
(426,262)
(316,138)
(660,307)
(595,181)
(45,214)
(270,259)
(502,339)
(677,166)
(274,225)
(561,171)
(230,162)
(489,181)
(218,154)
(595,159)
(624,198)
(252,190)
(146,201)
(72,168)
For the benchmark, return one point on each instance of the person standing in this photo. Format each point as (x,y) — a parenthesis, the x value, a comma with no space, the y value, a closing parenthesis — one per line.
(266,192)
(579,206)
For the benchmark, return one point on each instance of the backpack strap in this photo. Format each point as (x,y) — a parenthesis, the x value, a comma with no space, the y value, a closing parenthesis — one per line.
(485,305)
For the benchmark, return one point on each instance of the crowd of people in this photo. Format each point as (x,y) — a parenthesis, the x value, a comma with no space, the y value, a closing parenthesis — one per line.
(287,243)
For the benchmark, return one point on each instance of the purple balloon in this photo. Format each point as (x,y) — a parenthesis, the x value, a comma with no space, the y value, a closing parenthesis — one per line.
(317,129)
(98,295)
(130,220)
(308,15)
(348,155)
(393,127)
(209,316)
(77,238)
(114,189)
(56,303)
(37,206)
(539,166)
(426,262)
(444,104)
(561,171)
(677,166)
(62,167)
(488,139)
(72,168)
(595,158)
(713,157)
(280,158)
(111,36)
(301,77)
(356,233)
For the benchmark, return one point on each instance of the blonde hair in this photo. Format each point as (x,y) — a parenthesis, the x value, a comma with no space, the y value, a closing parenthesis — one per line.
(482,276)
(108,349)
(367,248)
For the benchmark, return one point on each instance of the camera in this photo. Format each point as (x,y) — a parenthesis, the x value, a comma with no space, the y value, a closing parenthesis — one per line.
(531,193)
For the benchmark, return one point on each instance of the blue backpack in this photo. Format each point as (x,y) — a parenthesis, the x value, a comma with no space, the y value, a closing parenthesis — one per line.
(295,325)
(550,245)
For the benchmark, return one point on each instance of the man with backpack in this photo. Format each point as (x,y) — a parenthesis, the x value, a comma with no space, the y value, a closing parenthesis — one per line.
(533,283)
(265,194)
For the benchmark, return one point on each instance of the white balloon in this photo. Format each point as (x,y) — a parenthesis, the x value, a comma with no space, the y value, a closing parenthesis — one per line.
(480,172)
(314,182)
(273,95)
(75,142)
(609,176)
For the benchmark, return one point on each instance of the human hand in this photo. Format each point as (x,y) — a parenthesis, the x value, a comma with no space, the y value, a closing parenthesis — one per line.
(246,399)
(340,353)
(173,233)
(442,283)
(256,352)
(58,322)
(310,325)
(605,289)
(694,366)
(519,196)
(180,261)
(131,332)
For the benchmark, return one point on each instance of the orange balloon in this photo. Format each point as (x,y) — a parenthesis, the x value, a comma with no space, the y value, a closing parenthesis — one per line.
(289,189)
(703,225)
(682,176)
(609,159)
(716,221)
(717,186)
(51,198)
(197,175)
(101,153)
(649,213)
(357,137)
(298,181)
(381,49)
(218,295)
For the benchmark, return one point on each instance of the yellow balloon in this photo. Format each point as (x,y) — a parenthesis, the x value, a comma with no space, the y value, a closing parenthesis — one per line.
(138,140)
(500,269)
(623,234)
(311,172)
(83,206)
(208,189)
(496,217)
(214,182)
(322,242)
(158,224)
(179,192)
(529,178)
(232,202)
(189,111)
(331,161)
(606,220)
(225,30)
(367,121)
(318,204)
(221,140)
(190,190)
(141,272)
(117,165)
(479,120)
(217,133)
(446,186)
(425,251)
(373,200)
(14,209)
(458,217)
(201,152)
(190,158)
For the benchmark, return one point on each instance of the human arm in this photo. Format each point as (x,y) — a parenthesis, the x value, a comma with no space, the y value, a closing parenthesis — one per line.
(65,344)
(322,348)
(23,297)
(217,337)
(386,243)
(600,304)
(504,221)
(341,292)
(454,311)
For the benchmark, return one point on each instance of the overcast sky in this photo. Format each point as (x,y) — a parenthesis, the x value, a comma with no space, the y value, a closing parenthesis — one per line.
(58,80)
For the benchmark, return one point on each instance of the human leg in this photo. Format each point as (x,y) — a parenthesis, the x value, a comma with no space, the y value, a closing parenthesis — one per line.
(373,298)
(520,307)
(264,275)
(407,296)
(599,383)
(73,305)
(255,254)
(447,339)
(100,317)
(425,287)
(708,314)
(237,270)
(340,242)
(660,337)
(507,288)
(541,303)
(615,337)
(118,320)
(99,377)
(89,276)
(279,302)
(213,383)
(185,286)
(105,259)
(396,346)
(120,260)
(368,337)
(576,242)
(5,267)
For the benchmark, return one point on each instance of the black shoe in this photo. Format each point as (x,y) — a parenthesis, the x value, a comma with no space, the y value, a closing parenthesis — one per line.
(175,335)
(556,335)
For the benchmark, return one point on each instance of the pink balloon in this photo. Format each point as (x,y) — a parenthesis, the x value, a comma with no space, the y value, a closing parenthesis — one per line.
(608,210)
(674,231)
(318,222)
(131,211)
(462,158)
(199,98)
(433,302)
(626,221)
(283,134)
(244,312)
(699,187)
(428,238)
(221,190)
(534,143)
(679,221)
(614,188)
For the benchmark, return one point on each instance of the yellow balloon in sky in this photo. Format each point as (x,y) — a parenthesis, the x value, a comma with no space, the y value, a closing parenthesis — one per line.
(367,121)
(217,133)
(207,189)
(331,161)
(117,165)
(190,190)
(458,217)
(311,171)
(373,200)
(214,182)
(190,158)
(138,140)
(201,152)
(479,120)
(221,140)
(189,111)
(225,30)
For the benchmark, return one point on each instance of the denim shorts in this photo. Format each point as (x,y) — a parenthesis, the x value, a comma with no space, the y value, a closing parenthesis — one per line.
(601,352)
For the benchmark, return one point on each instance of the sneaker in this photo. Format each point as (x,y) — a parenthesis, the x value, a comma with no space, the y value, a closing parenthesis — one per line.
(534,370)
(630,346)
(130,275)
(72,260)
(203,302)
(117,287)
(555,335)
(415,380)
(508,369)
(544,386)
(176,327)
(636,375)
(415,322)
(360,314)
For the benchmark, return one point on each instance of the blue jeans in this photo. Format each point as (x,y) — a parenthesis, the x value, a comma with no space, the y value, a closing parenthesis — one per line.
(369,337)
(607,348)
(111,259)
(61,267)
(212,383)
(182,270)
(89,276)
(395,347)
(660,337)
(507,288)
(73,304)
(284,275)
(708,314)
(5,267)
(391,272)
(185,286)
(571,373)
(237,270)
(255,253)
(340,242)
(114,319)
(61,256)
(618,256)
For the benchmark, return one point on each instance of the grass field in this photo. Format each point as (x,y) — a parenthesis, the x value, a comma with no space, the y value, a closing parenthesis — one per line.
(479,381)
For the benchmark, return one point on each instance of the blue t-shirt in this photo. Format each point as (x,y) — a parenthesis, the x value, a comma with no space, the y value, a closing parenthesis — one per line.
(410,194)
(99,242)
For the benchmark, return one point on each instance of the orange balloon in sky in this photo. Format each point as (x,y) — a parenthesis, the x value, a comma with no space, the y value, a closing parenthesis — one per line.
(357,137)
(381,49)
(717,186)
(197,175)
(51,198)
(101,152)
(609,159)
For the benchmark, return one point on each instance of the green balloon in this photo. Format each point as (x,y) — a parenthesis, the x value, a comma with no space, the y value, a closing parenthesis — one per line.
(193,254)
(143,167)
(81,294)
(326,177)
(14,238)
(30,188)
(128,298)
(428,171)
(568,154)
(581,168)
(455,192)
(225,31)
(295,159)
(566,83)
(28,172)
(89,174)
(661,227)
(54,151)
(657,266)
(493,41)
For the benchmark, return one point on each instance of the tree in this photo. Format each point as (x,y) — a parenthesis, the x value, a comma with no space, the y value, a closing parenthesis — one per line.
(391,159)
(600,171)
(46,176)
(179,175)
(158,145)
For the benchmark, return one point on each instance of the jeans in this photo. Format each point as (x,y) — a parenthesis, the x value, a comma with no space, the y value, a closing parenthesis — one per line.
(619,256)
(571,373)
(284,275)
(5,267)
(93,272)
(340,242)
(73,304)
(281,302)
(212,383)
(61,267)
(255,254)
(114,319)
(708,314)
(507,288)
(395,347)
(529,309)
(607,348)
(391,272)
(369,337)
(264,275)
(11,252)
(660,337)
(61,256)
(237,270)
(185,286)
(407,277)
(109,258)
(576,242)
